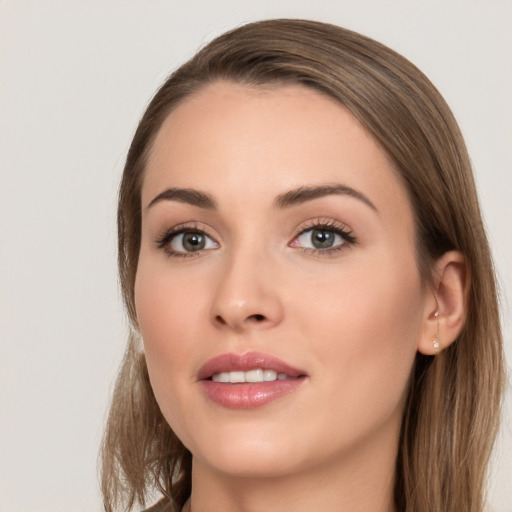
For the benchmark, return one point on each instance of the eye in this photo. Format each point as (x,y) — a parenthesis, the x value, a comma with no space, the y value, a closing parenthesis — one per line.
(320,239)
(191,241)
(323,238)
(185,242)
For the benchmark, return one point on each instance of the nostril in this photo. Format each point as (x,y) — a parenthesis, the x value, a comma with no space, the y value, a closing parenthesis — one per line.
(220,320)
(238,322)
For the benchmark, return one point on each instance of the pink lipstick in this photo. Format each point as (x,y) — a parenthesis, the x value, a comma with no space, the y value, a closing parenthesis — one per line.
(247,381)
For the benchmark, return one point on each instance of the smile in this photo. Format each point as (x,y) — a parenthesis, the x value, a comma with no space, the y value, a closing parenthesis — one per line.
(249,380)
(257,375)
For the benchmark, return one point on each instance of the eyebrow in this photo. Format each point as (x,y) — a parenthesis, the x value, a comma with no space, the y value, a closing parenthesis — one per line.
(186,195)
(286,200)
(304,194)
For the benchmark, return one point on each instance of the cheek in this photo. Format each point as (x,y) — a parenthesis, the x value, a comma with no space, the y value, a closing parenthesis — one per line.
(168,304)
(167,312)
(370,301)
(158,306)
(365,331)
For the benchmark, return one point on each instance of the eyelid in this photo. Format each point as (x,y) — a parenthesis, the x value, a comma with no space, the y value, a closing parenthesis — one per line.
(327,224)
(322,222)
(164,237)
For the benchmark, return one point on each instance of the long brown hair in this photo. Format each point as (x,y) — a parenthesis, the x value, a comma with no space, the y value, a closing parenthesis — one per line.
(452,411)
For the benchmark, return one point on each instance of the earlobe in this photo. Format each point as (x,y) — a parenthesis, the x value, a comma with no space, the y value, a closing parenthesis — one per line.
(445,313)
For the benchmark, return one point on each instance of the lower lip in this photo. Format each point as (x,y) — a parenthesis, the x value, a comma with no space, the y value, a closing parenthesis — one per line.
(249,395)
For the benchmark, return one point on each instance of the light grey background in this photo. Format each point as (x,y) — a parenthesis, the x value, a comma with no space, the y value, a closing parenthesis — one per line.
(74,79)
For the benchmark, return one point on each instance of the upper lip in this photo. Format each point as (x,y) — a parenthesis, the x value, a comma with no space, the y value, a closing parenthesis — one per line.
(232,362)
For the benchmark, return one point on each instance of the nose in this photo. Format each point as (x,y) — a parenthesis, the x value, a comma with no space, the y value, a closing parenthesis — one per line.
(247,295)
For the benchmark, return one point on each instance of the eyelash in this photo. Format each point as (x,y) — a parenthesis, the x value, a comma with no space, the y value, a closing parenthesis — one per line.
(164,239)
(327,225)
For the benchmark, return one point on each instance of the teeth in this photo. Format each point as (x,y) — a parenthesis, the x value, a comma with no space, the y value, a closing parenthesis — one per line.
(235,377)
(269,375)
(256,375)
(221,377)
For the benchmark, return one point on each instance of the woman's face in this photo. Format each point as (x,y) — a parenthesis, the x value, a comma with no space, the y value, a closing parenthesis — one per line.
(277,245)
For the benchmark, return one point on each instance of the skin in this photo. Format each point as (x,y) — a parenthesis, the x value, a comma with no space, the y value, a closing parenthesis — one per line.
(352,319)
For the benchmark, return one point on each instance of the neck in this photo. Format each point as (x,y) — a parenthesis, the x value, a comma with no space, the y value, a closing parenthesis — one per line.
(361,481)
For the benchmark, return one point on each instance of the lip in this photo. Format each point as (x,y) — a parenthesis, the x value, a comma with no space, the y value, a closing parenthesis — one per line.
(244,362)
(248,395)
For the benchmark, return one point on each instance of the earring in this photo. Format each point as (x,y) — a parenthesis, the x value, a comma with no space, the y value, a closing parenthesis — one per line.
(435,341)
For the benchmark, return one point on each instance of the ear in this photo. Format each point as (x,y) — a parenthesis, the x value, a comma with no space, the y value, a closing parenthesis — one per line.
(448,299)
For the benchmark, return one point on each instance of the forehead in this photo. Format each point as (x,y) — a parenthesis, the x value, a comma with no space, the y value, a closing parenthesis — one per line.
(264,140)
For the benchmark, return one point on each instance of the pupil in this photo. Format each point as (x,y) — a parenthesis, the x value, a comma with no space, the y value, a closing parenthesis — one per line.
(193,241)
(322,239)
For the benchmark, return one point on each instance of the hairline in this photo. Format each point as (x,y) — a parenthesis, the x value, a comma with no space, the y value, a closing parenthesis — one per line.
(424,261)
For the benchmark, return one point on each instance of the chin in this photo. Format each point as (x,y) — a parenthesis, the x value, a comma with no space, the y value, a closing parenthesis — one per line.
(248,454)
(252,464)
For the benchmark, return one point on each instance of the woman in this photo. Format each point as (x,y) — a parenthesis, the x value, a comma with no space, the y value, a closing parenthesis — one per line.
(303,261)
